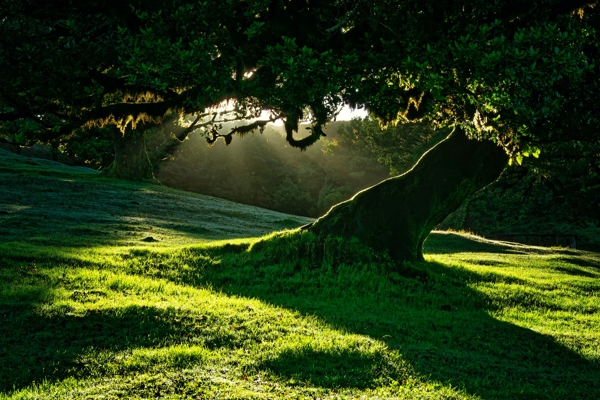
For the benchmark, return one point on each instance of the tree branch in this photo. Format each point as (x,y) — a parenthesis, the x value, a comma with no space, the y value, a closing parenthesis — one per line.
(112,84)
(181,136)
(344,20)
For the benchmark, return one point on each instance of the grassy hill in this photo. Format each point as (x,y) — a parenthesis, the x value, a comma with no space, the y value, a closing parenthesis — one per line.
(116,290)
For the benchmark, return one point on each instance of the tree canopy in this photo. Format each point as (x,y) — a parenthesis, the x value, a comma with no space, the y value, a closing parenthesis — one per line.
(519,72)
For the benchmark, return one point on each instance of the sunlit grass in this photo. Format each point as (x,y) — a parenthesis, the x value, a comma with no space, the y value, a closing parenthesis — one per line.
(192,316)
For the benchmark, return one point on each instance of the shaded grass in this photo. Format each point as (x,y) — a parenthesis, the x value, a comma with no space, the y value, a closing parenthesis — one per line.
(95,317)
(49,204)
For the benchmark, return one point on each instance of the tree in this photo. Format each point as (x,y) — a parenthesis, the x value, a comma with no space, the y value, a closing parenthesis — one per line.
(510,75)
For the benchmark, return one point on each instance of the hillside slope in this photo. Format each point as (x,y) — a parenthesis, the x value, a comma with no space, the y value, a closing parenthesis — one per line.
(45,202)
(90,310)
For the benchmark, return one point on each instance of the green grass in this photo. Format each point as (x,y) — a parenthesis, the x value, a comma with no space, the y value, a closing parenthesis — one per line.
(90,310)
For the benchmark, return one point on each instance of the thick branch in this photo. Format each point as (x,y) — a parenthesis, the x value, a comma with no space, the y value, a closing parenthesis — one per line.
(112,84)
(240,130)
(158,109)
(182,135)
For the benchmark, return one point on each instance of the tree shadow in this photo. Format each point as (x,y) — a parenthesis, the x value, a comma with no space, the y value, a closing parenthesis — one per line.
(331,369)
(440,242)
(53,347)
(577,272)
(484,358)
(443,329)
(583,262)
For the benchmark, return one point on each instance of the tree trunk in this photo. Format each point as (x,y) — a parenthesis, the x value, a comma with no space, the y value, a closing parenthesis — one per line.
(398,214)
(131,160)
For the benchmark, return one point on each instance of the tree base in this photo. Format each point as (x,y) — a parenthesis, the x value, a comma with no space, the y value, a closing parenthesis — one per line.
(397,215)
(131,159)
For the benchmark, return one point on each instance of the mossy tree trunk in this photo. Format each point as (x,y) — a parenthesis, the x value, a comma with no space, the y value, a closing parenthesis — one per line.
(399,213)
(131,159)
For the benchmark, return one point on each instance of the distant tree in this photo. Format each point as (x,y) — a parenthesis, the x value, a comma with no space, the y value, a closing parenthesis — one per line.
(398,147)
(513,73)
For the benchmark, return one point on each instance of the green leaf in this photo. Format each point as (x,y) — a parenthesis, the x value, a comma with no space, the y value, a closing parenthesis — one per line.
(519,158)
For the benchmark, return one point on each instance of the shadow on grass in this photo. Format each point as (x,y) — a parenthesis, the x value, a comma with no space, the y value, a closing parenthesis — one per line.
(48,347)
(442,328)
(441,242)
(582,262)
(329,369)
(577,272)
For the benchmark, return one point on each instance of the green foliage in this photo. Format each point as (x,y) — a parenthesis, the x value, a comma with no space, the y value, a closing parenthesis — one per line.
(19,132)
(515,72)
(332,194)
(93,146)
(292,198)
(509,72)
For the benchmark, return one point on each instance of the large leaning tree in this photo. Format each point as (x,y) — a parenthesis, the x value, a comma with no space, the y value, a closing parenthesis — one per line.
(507,75)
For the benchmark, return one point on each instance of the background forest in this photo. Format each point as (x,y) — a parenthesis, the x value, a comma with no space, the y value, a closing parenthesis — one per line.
(263,170)
(557,192)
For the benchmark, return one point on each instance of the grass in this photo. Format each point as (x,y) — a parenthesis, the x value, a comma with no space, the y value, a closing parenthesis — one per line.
(88,309)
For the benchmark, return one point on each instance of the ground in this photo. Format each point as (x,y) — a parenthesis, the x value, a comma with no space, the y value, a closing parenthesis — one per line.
(117,290)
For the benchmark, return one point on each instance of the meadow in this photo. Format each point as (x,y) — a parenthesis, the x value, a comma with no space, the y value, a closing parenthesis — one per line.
(113,290)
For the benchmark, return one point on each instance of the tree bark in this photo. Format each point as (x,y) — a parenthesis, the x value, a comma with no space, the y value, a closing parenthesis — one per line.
(131,159)
(398,214)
